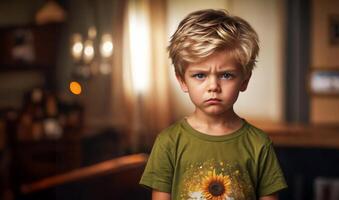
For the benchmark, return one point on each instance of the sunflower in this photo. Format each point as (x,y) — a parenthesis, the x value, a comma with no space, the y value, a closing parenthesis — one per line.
(216,187)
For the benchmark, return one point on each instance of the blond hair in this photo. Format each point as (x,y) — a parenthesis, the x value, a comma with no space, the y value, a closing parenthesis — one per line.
(205,32)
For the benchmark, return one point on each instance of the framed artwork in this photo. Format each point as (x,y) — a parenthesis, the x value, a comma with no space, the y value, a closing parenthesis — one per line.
(324,82)
(23,46)
(334,29)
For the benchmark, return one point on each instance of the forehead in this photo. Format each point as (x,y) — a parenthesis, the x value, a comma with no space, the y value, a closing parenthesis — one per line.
(219,60)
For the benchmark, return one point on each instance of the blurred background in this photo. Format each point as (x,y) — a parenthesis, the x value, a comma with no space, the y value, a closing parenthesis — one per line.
(86,86)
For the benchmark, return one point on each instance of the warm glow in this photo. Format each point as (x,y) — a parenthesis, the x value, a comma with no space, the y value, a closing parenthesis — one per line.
(75,87)
(139,45)
(105,68)
(106,47)
(77,46)
(92,32)
(88,51)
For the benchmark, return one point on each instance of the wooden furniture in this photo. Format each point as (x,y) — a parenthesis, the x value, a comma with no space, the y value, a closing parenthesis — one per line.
(113,179)
(298,135)
(37,159)
(306,153)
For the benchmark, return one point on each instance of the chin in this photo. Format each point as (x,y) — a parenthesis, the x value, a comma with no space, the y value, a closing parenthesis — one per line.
(214,112)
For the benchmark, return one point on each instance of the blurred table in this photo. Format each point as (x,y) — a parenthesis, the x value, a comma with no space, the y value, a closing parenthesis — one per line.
(299,135)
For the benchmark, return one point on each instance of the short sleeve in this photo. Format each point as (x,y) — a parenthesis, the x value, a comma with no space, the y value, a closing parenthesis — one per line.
(158,172)
(270,176)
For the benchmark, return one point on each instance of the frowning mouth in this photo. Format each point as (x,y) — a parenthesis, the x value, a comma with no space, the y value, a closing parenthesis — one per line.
(213,101)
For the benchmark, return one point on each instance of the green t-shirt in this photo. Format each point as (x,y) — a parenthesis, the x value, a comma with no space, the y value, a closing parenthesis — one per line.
(192,165)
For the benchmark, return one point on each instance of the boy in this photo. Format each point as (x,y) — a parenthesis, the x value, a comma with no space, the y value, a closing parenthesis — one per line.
(213,154)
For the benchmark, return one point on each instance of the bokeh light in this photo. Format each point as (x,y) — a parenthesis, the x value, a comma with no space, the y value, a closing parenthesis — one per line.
(75,87)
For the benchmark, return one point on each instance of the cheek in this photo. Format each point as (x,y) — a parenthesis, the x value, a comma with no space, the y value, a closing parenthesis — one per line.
(231,90)
(196,92)
(199,90)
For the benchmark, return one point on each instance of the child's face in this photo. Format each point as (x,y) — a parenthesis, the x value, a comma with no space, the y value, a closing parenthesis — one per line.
(214,84)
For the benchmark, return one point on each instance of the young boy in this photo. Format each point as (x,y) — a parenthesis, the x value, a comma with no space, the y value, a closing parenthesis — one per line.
(213,153)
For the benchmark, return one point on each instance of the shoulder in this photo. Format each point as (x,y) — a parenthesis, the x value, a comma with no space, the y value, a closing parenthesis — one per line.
(170,134)
(257,136)
(256,141)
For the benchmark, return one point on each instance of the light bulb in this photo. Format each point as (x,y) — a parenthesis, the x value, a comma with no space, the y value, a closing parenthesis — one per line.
(88,51)
(92,32)
(106,47)
(77,46)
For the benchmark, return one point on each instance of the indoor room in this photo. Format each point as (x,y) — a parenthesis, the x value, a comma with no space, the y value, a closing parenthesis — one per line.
(86,86)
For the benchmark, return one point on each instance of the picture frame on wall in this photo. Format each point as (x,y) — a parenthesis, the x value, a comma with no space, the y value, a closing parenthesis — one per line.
(334,29)
(324,82)
(23,46)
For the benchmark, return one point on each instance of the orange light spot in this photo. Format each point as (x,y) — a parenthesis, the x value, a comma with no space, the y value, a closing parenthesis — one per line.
(75,87)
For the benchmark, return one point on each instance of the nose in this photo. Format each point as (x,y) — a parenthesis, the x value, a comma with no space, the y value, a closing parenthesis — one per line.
(213,85)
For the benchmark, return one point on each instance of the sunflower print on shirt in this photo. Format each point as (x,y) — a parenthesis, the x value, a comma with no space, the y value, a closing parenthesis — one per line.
(214,180)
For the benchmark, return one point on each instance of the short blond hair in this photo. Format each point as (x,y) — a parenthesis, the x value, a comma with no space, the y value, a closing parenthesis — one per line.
(205,32)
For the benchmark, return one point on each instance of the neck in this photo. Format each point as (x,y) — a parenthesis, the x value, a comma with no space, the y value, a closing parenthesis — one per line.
(225,118)
(215,124)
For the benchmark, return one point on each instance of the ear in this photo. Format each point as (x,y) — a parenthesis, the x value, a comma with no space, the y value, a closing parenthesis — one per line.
(245,81)
(182,83)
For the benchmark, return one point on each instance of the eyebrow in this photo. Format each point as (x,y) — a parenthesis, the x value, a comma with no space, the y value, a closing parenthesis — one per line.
(205,70)
(197,70)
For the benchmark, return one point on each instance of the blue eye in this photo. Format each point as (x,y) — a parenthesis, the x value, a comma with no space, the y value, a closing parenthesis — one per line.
(199,76)
(227,76)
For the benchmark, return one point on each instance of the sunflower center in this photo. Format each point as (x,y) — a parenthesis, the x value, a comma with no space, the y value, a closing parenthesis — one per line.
(216,188)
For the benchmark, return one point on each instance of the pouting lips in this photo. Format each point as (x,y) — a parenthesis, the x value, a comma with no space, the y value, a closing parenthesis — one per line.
(213,100)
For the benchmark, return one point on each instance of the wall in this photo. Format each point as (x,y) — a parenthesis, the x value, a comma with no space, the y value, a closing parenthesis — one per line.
(263,99)
(16,12)
(14,83)
(324,109)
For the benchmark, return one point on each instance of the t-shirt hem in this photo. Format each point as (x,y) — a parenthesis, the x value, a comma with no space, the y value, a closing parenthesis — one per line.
(273,189)
(156,186)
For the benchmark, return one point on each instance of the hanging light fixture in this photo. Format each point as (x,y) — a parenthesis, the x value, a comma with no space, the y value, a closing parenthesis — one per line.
(91,54)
